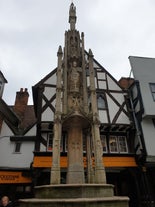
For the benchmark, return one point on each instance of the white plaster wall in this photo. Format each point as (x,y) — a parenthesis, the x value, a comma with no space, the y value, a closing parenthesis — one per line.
(123,119)
(101,75)
(32,131)
(144,72)
(103,116)
(95,65)
(47,115)
(119,97)
(112,84)
(42,148)
(8,157)
(135,93)
(51,80)
(149,136)
(49,92)
(5,130)
(102,84)
(113,108)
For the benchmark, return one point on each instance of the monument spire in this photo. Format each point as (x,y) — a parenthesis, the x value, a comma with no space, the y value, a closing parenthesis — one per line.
(72,16)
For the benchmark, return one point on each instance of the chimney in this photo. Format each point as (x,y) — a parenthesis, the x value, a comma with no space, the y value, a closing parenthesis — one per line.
(125,83)
(21,102)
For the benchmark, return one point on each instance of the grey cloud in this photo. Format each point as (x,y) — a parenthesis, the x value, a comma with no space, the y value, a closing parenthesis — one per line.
(31,31)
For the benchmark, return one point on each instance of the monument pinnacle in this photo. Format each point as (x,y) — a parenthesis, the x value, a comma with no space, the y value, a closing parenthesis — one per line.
(72,16)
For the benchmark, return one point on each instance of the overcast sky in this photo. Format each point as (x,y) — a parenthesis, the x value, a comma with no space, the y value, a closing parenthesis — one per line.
(32,30)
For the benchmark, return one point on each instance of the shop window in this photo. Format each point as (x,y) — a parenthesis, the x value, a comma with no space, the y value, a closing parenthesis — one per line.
(152,88)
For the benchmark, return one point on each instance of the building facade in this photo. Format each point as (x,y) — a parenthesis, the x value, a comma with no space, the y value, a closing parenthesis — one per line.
(17,138)
(142,98)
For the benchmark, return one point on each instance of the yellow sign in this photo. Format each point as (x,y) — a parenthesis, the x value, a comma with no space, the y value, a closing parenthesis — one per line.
(13,177)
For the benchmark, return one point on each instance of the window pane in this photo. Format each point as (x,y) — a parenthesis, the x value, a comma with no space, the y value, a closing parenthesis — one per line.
(153,94)
(50,142)
(122,144)
(152,86)
(104,143)
(84,143)
(66,143)
(113,144)
(101,102)
(17,147)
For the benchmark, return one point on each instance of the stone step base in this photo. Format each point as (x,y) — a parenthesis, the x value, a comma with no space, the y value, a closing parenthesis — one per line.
(74,191)
(113,201)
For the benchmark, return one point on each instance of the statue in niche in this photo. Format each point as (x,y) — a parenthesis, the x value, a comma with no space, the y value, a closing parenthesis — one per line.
(76,101)
(75,78)
(73,46)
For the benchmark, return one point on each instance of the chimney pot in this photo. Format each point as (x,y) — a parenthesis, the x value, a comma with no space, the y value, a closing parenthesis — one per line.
(21,102)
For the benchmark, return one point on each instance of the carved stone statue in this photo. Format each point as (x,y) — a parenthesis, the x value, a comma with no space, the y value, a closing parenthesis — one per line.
(75,78)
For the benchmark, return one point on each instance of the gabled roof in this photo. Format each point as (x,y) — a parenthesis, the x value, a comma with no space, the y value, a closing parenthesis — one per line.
(9,116)
(17,124)
(1,74)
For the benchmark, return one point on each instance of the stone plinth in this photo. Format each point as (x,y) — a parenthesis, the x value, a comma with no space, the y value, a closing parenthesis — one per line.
(75,195)
(74,191)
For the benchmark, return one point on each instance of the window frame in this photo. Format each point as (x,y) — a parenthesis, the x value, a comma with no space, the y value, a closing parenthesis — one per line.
(17,149)
(118,145)
(104,143)
(49,146)
(101,97)
(152,90)
(110,146)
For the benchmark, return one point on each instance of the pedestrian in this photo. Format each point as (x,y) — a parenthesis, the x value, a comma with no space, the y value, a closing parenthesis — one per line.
(5,202)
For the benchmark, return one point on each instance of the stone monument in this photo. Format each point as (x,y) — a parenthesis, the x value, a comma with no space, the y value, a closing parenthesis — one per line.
(76,111)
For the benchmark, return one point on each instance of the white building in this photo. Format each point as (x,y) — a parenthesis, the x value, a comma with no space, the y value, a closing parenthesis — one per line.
(143,106)
(17,136)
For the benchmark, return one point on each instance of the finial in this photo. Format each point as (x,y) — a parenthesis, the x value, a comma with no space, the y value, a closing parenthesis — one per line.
(59,50)
(72,16)
(90,53)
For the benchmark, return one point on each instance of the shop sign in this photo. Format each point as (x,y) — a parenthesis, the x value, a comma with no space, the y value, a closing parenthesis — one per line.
(13,177)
